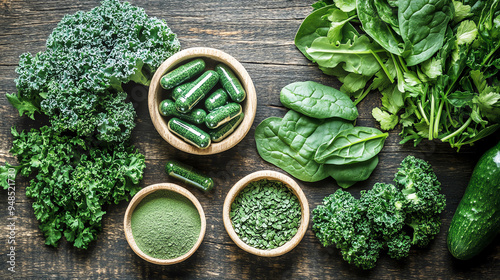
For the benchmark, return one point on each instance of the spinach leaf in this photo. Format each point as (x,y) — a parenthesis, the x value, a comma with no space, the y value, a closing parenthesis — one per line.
(355,56)
(378,30)
(352,145)
(348,174)
(313,26)
(290,143)
(423,25)
(318,101)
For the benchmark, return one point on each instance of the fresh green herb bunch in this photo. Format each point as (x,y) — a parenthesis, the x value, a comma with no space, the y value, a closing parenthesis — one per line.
(438,74)
(77,81)
(387,217)
(266,214)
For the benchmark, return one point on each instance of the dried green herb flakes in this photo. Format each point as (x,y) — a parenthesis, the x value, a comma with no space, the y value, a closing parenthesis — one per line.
(266,214)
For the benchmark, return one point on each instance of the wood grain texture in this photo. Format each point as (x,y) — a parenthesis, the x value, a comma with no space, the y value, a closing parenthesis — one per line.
(259,34)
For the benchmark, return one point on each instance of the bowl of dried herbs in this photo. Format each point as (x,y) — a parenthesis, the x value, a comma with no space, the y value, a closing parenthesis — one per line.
(266,213)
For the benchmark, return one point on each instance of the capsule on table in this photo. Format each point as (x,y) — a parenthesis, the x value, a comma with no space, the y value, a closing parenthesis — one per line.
(196,91)
(222,115)
(217,99)
(196,116)
(225,130)
(189,175)
(182,73)
(230,83)
(178,90)
(189,132)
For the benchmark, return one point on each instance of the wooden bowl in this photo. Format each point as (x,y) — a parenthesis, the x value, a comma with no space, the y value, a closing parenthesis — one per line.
(270,175)
(138,198)
(211,57)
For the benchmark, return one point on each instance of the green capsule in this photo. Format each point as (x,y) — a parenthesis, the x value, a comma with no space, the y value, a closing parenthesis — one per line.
(178,90)
(196,91)
(182,73)
(230,83)
(222,115)
(190,133)
(196,116)
(225,130)
(189,175)
(217,99)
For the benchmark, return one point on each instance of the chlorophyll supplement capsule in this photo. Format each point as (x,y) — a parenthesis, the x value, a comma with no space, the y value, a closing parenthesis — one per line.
(190,133)
(182,73)
(230,83)
(226,129)
(198,89)
(196,116)
(215,100)
(178,90)
(189,175)
(222,115)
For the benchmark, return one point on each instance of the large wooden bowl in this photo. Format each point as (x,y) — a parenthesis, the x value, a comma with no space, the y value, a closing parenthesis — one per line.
(211,57)
(138,198)
(269,175)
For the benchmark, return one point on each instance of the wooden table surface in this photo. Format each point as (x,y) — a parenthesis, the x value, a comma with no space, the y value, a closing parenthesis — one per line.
(260,35)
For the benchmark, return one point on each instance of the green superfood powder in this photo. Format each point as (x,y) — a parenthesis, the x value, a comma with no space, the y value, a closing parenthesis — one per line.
(165,225)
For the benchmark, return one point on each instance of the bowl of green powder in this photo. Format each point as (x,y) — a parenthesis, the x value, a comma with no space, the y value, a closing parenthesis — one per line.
(164,224)
(266,213)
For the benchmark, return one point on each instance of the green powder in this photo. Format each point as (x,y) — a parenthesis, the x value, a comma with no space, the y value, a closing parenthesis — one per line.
(165,225)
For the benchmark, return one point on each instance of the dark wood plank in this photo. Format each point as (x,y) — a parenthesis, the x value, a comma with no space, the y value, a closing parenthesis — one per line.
(260,35)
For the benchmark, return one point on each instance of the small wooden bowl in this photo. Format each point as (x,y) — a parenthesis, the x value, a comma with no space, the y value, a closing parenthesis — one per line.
(211,57)
(270,175)
(138,198)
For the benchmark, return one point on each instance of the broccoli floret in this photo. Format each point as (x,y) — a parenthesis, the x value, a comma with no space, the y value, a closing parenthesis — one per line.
(386,217)
(88,57)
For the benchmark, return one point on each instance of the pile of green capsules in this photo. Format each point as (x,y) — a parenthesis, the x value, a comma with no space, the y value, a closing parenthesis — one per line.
(204,105)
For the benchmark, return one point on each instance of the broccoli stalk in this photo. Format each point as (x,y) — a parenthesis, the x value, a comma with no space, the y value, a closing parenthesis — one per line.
(386,217)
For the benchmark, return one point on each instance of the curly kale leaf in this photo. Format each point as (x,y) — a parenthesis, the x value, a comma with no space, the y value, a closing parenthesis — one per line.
(386,217)
(73,179)
(77,80)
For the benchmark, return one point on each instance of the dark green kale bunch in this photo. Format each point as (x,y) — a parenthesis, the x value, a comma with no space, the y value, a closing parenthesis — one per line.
(72,180)
(386,217)
(77,81)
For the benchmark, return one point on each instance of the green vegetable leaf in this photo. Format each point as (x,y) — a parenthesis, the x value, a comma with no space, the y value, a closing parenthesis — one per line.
(23,106)
(348,174)
(387,120)
(280,143)
(352,145)
(318,101)
(461,11)
(423,26)
(466,32)
(313,26)
(345,5)
(354,56)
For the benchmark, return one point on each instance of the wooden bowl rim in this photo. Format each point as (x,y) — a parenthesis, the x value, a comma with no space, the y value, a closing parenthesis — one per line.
(270,175)
(138,198)
(249,104)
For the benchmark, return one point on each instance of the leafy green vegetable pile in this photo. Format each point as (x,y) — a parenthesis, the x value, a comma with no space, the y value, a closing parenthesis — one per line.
(386,217)
(317,139)
(77,81)
(84,160)
(434,62)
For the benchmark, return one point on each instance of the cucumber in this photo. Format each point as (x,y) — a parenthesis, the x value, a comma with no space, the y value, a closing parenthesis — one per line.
(477,219)
(182,73)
